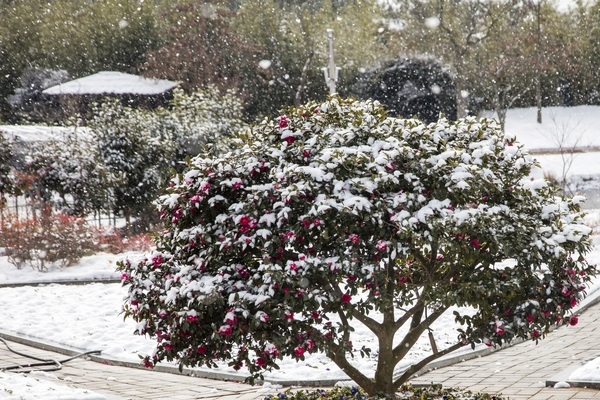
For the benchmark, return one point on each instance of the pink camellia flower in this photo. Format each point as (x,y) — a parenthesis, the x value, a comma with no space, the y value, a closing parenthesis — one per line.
(381,245)
(125,277)
(226,330)
(316,222)
(354,238)
(264,317)
(195,199)
(289,316)
(346,298)
(573,320)
(475,243)
(299,351)
(498,328)
(261,362)
(566,291)
(271,350)
(283,122)
(201,349)
(309,345)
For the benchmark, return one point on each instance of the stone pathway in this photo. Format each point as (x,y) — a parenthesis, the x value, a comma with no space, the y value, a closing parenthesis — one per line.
(519,372)
(522,371)
(121,383)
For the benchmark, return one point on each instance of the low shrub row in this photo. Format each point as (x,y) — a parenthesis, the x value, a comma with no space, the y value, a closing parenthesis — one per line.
(56,239)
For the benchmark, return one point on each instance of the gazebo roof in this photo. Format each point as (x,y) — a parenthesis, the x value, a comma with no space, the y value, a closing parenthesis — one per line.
(111,82)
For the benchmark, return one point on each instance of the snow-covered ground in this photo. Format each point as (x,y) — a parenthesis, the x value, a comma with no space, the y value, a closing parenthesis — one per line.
(93,312)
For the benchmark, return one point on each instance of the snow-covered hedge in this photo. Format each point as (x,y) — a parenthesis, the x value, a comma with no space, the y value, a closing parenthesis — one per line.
(206,120)
(335,208)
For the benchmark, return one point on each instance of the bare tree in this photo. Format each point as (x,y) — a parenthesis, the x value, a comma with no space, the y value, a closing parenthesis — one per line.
(567,137)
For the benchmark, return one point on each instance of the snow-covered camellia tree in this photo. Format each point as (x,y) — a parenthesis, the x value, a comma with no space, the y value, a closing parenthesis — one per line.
(334,211)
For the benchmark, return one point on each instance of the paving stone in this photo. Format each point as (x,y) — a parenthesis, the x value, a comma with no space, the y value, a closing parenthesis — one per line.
(518,372)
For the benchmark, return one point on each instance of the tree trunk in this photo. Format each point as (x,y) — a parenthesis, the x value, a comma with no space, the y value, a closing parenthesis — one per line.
(384,374)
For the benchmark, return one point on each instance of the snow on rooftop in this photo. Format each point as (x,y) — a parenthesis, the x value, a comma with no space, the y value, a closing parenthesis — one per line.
(37,133)
(111,82)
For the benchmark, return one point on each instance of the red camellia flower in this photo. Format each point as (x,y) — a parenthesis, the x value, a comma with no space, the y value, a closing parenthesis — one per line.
(475,243)
(403,280)
(573,302)
(299,351)
(147,363)
(261,362)
(201,349)
(573,320)
(192,318)
(354,238)
(535,333)
(226,330)
(157,260)
(346,298)
(283,122)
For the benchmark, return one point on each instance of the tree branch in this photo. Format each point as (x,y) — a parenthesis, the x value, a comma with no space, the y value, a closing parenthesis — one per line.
(370,323)
(413,369)
(339,358)
(413,335)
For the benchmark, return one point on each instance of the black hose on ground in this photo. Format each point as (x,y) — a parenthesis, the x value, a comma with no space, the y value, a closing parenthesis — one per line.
(53,365)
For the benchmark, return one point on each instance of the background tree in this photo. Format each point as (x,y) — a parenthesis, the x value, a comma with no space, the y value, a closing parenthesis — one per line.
(69,169)
(419,87)
(201,48)
(289,39)
(136,157)
(204,120)
(454,32)
(335,215)
(6,178)
(79,37)
(29,102)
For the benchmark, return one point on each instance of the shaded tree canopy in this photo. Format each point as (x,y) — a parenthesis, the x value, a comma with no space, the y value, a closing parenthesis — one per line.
(410,87)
